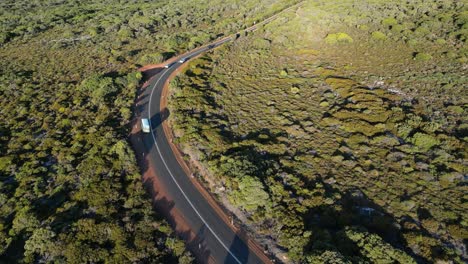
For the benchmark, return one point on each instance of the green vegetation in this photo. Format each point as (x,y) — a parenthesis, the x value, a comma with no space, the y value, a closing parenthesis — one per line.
(389,22)
(377,35)
(423,56)
(338,38)
(70,190)
(358,152)
(249,194)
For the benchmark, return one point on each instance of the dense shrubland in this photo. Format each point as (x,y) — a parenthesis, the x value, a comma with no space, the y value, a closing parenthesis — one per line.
(339,130)
(70,190)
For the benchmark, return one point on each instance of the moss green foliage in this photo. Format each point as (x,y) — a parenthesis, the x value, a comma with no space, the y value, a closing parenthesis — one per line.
(70,190)
(377,35)
(390,21)
(422,56)
(338,38)
(424,141)
(377,250)
(249,194)
(153,58)
(361,149)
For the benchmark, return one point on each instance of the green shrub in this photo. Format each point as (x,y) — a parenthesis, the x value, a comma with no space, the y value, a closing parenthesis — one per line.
(455,109)
(5,163)
(462,18)
(338,38)
(324,104)
(152,58)
(375,247)
(462,60)
(458,232)
(261,44)
(422,31)
(463,34)
(125,33)
(4,37)
(363,27)
(412,42)
(424,141)
(389,21)
(422,56)
(362,127)
(377,35)
(250,194)
(294,90)
(398,28)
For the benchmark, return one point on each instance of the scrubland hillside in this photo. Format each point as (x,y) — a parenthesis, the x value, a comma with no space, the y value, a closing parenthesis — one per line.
(339,131)
(70,190)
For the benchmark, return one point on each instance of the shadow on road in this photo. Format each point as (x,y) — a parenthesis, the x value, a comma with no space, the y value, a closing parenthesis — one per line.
(166,207)
(143,97)
(159,118)
(239,249)
(148,74)
(199,247)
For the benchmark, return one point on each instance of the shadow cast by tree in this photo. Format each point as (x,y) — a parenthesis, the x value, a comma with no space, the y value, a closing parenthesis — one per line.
(354,221)
(238,248)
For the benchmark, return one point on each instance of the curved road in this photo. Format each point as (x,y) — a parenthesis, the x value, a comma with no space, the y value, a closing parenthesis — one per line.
(215,240)
(213,234)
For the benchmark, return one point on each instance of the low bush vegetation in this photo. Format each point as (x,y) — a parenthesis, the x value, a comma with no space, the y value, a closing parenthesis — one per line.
(357,151)
(338,38)
(70,190)
(377,35)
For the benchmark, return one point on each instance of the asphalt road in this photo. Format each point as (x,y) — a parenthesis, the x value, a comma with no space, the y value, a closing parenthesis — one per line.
(218,241)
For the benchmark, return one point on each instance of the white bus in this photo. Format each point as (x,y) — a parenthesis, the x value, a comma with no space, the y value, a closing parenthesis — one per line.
(145,127)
